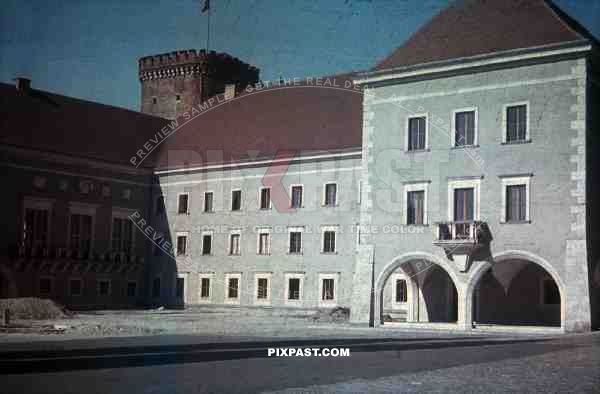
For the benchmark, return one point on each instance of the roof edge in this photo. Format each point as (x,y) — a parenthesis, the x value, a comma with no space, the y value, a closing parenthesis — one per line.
(464,63)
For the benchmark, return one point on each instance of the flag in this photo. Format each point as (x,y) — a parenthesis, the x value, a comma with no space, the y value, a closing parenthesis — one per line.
(206,6)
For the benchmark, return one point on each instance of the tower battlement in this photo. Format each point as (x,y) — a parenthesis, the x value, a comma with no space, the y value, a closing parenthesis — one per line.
(173,82)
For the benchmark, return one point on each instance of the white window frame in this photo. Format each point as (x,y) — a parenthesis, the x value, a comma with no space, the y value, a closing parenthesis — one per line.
(336,283)
(453,130)
(334,228)
(231,199)
(231,234)
(291,195)
(232,275)
(515,181)
(210,276)
(80,280)
(41,204)
(294,275)
(295,229)
(267,276)
(51,279)
(505,120)
(416,187)
(270,202)
(98,280)
(188,203)
(77,208)
(204,202)
(185,234)
(337,194)
(259,231)
(407,131)
(123,213)
(471,182)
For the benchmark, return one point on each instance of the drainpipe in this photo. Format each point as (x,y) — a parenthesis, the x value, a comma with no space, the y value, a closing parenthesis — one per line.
(372,305)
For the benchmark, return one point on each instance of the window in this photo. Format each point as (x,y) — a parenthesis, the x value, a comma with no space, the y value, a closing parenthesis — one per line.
(297,192)
(75,287)
(131,289)
(154,100)
(417,130)
(415,207)
(264,242)
(180,287)
(103,287)
(234,244)
(327,290)
(182,204)
(236,200)
(295,242)
(328,241)
(265,198)
(181,245)
(232,287)
(294,289)
(206,244)
(515,203)
(330,195)
(465,127)
(262,292)
(208,202)
(35,228)
(205,288)
(550,295)
(401,291)
(81,232)
(463,200)
(515,199)
(516,120)
(122,235)
(156,287)
(45,285)
(177,98)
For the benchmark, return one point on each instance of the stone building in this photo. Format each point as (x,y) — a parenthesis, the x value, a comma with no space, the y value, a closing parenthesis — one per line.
(488,142)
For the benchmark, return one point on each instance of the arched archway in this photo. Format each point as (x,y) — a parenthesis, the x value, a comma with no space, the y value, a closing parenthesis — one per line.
(432,286)
(518,288)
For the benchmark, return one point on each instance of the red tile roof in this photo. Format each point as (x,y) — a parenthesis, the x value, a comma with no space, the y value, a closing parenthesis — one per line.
(476,27)
(295,118)
(51,122)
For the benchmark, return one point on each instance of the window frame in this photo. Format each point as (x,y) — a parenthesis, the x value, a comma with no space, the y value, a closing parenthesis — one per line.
(187,212)
(465,183)
(231,205)
(122,214)
(228,276)
(337,192)
(416,187)
(184,276)
(259,232)
(516,180)
(335,278)
(407,132)
(292,186)
(229,250)
(185,234)
(212,240)
(505,122)
(334,229)
(269,201)
(83,209)
(210,277)
(257,277)
(295,229)
(40,204)
(294,275)
(475,131)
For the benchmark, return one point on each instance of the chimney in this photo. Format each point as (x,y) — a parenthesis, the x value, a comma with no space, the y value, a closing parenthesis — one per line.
(229,91)
(22,84)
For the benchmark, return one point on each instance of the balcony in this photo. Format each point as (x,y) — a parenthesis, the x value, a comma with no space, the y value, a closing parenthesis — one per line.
(461,239)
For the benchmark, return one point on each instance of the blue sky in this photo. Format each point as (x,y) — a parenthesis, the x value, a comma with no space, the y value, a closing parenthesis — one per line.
(89,48)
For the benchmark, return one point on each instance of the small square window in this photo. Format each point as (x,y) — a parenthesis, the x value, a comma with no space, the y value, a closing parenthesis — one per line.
(177,98)
(154,100)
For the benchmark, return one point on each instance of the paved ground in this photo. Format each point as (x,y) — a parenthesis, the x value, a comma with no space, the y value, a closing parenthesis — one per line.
(401,361)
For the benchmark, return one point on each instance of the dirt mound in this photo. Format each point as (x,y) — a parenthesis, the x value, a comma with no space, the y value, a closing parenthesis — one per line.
(33,308)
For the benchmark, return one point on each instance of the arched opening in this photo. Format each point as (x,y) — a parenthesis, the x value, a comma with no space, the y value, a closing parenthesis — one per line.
(418,291)
(517,291)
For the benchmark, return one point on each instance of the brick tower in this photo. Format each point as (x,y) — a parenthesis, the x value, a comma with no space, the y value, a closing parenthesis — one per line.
(174,82)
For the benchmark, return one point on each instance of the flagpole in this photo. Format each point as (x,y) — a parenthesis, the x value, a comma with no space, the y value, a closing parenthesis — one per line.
(208,30)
